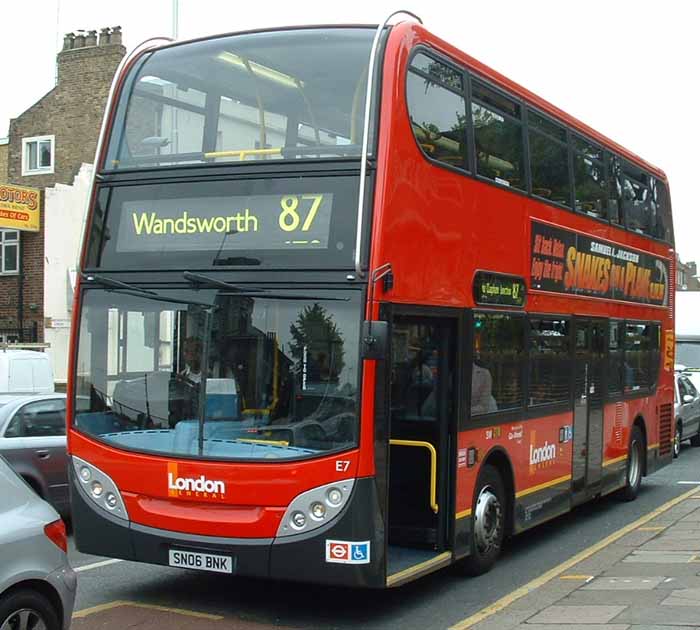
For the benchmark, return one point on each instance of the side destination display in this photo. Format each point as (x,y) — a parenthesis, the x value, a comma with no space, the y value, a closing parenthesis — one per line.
(562,261)
(498,289)
(300,221)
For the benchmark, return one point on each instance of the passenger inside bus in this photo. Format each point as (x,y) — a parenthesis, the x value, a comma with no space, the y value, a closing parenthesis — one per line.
(482,397)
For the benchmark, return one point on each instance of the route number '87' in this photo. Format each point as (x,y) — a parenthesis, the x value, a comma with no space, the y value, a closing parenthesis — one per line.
(290,218)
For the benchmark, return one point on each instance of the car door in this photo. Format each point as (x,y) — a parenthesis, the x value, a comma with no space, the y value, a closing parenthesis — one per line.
(42,424)
(693,408)
(687,407)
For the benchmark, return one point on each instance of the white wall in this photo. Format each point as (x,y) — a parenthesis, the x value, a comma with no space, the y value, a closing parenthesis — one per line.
(65,210)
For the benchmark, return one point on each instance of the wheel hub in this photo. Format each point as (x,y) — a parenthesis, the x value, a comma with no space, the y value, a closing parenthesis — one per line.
(635,468)
(24,619)
(487,521)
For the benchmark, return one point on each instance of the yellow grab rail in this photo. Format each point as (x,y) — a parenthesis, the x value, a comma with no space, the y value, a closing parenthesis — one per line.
(257,441)
(433,466)
(243,153)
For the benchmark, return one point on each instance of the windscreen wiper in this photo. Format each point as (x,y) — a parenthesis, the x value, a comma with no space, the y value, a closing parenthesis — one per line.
(117,284)
(199,278)
(130,289)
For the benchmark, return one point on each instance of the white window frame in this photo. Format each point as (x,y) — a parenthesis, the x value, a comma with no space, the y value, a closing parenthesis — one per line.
(41,170)
(3,243)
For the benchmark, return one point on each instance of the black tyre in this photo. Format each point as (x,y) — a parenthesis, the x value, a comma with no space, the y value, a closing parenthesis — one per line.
(695,440)
(635,465)
(677,437)
(28,610)
(488,522)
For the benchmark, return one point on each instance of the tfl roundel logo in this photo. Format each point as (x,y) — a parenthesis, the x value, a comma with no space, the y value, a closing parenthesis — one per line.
(347,552)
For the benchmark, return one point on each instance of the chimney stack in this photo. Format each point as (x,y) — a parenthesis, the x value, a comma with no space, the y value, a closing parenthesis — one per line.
(116,36)
(104,36)
(68,41)
(105,51)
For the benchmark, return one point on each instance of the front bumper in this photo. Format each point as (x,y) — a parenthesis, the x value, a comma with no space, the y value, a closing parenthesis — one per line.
(296,558)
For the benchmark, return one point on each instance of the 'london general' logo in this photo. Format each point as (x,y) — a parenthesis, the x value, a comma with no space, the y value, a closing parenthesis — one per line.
(193,487)
(541,456)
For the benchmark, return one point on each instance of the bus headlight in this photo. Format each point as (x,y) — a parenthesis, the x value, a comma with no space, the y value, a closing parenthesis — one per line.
(298,520)
(315,507)
(318,511)
(334,497)
(111,500)
(99,488)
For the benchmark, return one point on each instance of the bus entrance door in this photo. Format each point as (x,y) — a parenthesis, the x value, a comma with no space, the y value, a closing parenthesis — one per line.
(589,364)
(421,428)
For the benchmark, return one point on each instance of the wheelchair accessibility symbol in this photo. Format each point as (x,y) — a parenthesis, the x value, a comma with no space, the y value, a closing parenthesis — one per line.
(347,552)
(360,552)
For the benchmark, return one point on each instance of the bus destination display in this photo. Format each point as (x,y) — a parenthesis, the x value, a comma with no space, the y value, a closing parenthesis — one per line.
(563,261)
(498,289)
(255,222)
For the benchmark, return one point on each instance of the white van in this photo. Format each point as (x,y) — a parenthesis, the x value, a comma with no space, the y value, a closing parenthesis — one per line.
(25,372)
(688,334)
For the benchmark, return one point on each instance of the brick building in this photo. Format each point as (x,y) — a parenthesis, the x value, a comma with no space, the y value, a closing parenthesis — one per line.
(4,147)
(686,276)
(48,144)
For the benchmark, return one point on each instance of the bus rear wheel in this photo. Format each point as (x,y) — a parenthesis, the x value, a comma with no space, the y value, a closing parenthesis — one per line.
(635,459)
(488,522)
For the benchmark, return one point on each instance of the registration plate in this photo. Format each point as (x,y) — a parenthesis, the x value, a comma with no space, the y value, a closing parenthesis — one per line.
(201,561)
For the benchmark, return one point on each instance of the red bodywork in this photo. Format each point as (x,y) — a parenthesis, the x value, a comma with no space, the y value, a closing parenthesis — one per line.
(436,228)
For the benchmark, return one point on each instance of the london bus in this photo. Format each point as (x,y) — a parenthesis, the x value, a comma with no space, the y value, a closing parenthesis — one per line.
(353,307)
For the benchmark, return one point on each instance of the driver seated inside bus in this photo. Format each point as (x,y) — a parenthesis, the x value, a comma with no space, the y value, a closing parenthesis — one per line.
(192,360)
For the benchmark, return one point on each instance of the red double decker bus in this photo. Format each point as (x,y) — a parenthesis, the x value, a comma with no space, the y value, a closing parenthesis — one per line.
(354,307)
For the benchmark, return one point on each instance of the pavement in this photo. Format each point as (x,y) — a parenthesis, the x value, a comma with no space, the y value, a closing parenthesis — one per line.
(644,577)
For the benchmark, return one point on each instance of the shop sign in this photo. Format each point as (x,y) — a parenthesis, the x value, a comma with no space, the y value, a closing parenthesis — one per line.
(19,208)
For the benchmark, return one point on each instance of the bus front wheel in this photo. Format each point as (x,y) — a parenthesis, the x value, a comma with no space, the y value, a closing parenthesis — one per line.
(488,522)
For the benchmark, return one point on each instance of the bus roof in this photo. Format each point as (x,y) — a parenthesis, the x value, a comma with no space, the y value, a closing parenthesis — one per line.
(523,93)
(427,37)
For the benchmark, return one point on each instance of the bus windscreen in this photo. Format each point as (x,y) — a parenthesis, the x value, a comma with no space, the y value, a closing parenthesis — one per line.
(281,95)
(219,374)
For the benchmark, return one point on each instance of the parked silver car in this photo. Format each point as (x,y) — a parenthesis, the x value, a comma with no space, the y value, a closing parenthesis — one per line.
(687,407)
(33,440)
(37,585)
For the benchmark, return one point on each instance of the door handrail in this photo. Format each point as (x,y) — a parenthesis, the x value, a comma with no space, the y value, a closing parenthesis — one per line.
(433,466)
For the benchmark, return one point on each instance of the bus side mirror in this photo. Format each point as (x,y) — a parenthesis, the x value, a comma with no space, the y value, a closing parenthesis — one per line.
(375,340)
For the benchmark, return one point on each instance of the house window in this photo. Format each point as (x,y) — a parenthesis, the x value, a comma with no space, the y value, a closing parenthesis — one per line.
(9,249)
(38,155)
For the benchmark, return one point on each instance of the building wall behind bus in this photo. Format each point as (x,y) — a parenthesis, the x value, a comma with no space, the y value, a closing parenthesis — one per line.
(65,210)
(71,112)
(4,149)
